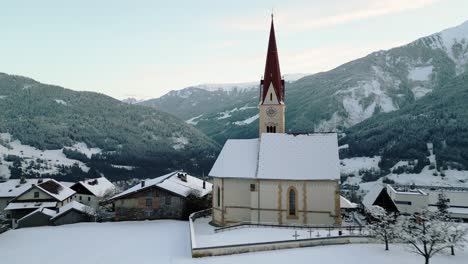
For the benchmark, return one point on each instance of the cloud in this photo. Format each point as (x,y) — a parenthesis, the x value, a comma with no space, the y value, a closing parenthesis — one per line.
(302,18)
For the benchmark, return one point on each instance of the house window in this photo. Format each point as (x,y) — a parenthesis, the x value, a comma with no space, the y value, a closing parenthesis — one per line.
(168,200)
(149,200)
(218,197)
(81,198)
(36,194)
(292,202)
(89,199)
(252,187)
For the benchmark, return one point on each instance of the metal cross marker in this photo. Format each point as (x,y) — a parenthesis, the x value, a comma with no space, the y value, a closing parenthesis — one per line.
(296,235)
(310,233)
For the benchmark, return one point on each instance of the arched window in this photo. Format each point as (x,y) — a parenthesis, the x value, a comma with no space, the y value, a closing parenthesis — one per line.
(274,129)
(292,202)
(268,129)
(218,198)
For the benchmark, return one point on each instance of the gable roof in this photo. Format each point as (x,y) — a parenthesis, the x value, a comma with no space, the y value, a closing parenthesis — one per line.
(171,182)
(74,205)
(98,187)
(280,156)
(41,210)
(378,195)
(55,189)
(14,187)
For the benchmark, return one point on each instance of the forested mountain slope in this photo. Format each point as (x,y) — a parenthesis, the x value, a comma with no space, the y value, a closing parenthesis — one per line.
(48,123)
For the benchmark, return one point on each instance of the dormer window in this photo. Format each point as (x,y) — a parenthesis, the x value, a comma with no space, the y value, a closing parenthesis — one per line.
(36,194)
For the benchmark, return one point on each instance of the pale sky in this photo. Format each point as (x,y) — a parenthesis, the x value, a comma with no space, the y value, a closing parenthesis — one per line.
(143,49)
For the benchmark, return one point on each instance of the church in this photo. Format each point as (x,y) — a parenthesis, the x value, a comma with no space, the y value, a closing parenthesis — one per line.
(278,178)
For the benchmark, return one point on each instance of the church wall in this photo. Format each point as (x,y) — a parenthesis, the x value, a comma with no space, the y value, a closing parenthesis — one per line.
(235,201)
(316,202)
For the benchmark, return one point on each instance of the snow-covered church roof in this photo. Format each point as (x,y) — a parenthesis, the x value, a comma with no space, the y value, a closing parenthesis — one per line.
(280,156)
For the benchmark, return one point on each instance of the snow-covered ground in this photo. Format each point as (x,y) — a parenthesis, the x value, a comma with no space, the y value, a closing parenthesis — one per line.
(51,160)
(168,241)
(205,235)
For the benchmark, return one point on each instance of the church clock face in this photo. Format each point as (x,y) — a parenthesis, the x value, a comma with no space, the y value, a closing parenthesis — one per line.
(271,111)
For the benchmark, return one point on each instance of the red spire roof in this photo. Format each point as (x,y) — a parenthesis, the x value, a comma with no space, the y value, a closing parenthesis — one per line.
(272,68)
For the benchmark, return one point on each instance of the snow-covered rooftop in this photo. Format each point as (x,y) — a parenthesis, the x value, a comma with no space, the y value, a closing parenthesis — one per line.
(42,210)
(29,205)
(172,183)
(280,156)
(98,186)
(14,187)
(347,204)
(238,159)
(56,189)
(74,205)
(369,199)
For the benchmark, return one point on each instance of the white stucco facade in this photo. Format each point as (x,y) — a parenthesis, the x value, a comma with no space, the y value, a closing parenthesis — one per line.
(268,201)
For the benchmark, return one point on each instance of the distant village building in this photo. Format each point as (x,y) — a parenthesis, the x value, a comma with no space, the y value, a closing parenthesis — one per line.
(163,197)
(90,192)
(378,196)
(11,188)
(73,212)
(415,199)
(49,194)
(277,178)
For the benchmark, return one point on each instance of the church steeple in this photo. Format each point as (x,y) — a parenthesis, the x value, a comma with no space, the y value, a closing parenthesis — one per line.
(272,75)
(272,108)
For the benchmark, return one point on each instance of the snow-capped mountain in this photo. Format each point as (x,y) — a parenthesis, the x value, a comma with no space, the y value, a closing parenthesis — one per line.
(383,81)
(193,101)
(246,85)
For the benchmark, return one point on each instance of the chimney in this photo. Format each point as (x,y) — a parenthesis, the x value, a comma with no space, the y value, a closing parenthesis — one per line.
(142,184)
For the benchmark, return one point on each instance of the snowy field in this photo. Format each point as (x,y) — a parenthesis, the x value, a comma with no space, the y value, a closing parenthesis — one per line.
(167,241)
(205,235)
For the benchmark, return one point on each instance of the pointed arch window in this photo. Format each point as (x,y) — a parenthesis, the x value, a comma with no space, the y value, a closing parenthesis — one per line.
(292,202)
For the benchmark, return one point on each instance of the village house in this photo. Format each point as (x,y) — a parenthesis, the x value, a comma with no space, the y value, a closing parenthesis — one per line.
(277,178)
(49,194)
(11,188)
(163,197)
(91,192)
(415,199)
(72,212)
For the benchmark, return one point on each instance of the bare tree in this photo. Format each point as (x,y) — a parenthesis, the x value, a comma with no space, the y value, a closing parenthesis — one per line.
(425,234)
(457,236)
(383,227)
